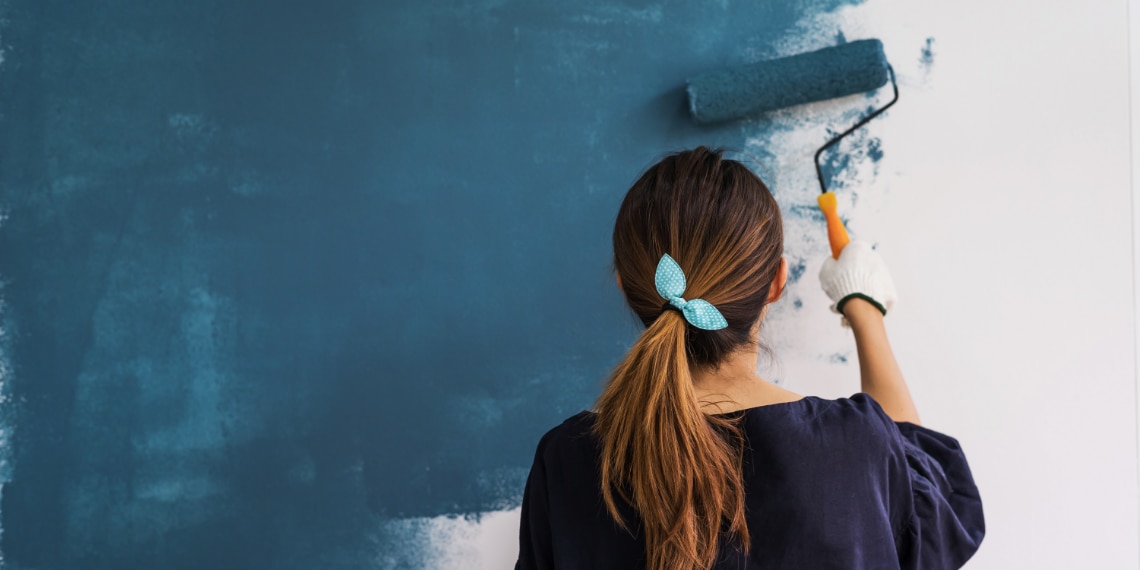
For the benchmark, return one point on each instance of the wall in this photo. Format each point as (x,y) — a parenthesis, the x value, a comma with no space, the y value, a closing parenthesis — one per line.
(300,284)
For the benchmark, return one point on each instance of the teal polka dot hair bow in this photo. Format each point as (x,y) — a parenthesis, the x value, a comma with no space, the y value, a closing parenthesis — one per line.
(670,281)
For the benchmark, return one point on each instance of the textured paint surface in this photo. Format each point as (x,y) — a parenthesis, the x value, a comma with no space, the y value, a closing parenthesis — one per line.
(278,276)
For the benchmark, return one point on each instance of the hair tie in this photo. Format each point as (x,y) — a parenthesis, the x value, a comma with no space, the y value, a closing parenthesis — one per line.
(670,281)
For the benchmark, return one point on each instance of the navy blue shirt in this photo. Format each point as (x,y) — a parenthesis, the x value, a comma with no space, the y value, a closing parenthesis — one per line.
(828,484)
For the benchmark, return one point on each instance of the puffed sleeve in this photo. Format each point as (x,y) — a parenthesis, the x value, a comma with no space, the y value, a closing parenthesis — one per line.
(939,508)
(535,550)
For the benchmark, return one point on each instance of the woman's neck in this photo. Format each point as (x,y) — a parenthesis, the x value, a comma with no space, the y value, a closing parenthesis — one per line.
(734,385)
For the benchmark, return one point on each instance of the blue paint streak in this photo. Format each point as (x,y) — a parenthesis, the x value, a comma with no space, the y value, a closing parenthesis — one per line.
(282,271)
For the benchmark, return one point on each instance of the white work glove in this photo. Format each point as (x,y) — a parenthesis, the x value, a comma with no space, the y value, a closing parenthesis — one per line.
(859,272)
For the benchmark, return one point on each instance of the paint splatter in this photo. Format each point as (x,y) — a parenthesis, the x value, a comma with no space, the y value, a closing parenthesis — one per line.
(837,358)
(796,270)
(926,59)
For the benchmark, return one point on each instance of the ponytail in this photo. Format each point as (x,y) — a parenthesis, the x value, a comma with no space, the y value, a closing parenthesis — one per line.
(678,467)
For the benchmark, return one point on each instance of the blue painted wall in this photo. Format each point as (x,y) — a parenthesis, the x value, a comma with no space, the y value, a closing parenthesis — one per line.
(276,272)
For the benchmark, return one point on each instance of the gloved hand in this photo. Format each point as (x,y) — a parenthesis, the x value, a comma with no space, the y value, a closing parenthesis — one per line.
(859,272)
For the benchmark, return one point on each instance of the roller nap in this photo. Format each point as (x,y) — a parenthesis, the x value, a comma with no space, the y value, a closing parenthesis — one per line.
(736,92)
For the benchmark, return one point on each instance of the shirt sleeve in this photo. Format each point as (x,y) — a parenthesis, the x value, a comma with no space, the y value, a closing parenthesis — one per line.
(535,551)
(941,517)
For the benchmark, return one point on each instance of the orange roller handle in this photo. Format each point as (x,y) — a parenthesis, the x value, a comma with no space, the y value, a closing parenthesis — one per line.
(836,233)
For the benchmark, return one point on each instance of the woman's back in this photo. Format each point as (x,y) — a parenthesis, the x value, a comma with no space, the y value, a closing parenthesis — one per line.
(828,484)
(653,479)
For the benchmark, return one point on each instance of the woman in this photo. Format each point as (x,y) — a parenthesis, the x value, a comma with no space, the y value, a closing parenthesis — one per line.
(691,461)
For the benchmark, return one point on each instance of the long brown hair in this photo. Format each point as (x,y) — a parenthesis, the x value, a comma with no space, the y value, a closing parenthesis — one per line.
(676,465)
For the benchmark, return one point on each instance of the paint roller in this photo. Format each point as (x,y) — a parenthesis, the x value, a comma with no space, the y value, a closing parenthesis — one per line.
(838,71)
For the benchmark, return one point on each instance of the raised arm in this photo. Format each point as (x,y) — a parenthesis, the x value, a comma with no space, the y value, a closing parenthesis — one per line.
(879,372)
(862,290)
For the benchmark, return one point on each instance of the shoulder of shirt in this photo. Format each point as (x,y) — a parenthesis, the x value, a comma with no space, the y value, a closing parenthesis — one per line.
(858,416)
(865,406)
(860,407)
(572,431)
